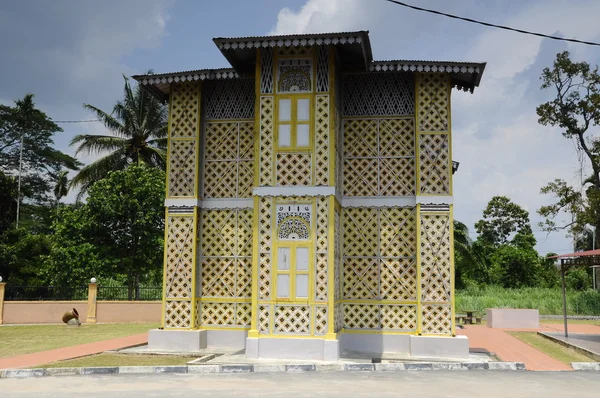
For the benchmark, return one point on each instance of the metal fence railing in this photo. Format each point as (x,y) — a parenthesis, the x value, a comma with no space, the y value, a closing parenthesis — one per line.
(143,293)
(45,293)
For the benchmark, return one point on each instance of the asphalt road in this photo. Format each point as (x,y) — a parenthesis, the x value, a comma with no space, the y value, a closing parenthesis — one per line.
(335,384)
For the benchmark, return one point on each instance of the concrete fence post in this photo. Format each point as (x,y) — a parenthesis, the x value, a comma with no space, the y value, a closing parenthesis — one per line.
(92,303)
(2,285)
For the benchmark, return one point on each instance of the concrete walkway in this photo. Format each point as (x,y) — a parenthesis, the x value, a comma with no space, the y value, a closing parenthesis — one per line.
(61,354)
(509,348)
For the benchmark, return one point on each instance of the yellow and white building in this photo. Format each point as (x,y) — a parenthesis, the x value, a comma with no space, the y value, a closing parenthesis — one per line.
(309,200)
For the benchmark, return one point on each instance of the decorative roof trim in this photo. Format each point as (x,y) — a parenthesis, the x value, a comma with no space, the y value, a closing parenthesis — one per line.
(425,66)
(187,76)
(233,43)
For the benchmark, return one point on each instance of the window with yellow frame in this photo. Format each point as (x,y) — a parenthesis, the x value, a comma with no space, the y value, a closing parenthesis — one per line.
(294,121)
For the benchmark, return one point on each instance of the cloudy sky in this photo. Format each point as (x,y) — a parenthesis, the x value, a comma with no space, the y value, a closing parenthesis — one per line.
(68,52)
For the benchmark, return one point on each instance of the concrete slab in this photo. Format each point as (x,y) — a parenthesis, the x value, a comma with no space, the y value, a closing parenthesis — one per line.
(177,340)
(434,346)
(584,343)
(512,318)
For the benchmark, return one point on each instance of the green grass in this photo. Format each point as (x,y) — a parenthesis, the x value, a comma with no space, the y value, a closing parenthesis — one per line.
(547,301)
(119,360)
(17,340)
(550,348)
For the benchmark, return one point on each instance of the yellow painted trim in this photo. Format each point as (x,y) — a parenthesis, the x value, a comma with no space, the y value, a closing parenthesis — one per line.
(220,121)
(231,300)
(164,289)
(198,138)
(452,276)
(450,177)
(194,266)
(408,116)
(332,112)
(374,331)
(331,335)
(293,123)
(293,272)
(255,269)
(418,263)
(378,302)
(257,113)
(179,299)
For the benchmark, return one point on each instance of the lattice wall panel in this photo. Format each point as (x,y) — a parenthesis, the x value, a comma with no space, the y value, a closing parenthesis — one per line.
(379,157)
(229,99)
(184,117)
(362,316)
(398,279)
(434,164)
(361,278)
(399,318)
(266,141)
(292,319)
(378,94)
(265,225)
(322,140)
(263,319)
(323,69)
(361,231)
(182,168)
(437,319)
(178,314)
(436,267)
(322,241)
(226,314)
(294,169)
(320,320)
(434,96)
(338,317)
(181,232)
(266,71)
(337,256)
(228,162)
(397,237)
(339,150)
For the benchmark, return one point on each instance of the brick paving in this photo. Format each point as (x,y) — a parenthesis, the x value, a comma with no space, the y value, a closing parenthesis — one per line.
(61,354)
(509,348)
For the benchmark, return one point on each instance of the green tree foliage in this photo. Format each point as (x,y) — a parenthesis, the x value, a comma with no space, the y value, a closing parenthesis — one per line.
(468,265)
(139,127)
(119,231)
(576,111)
(40,159)
(22,255)
(515,264)
(501,219)
(8,201)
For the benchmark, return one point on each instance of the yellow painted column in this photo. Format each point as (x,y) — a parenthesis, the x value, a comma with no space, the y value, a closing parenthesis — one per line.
(331,335)
(2,288)
(92,303)
(418,261)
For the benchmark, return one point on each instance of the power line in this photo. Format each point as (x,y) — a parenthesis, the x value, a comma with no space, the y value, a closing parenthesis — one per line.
(76,121)
(590,43)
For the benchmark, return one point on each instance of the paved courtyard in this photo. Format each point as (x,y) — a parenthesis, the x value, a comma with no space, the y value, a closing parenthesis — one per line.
(339,384)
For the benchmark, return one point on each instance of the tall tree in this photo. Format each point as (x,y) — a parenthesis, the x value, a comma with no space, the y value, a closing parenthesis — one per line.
(61,185)
(25,127)
(501,219)
(576,110)
(138,125)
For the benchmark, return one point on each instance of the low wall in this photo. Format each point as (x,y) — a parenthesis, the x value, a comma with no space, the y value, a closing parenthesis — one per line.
(129,311)
(512,318)
(41,311)
(27,312)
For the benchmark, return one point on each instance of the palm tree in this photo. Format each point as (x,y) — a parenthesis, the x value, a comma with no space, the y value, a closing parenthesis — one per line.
(61,185)
(139,127)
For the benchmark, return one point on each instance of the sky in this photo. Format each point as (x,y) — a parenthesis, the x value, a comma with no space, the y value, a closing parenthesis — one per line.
(70,52)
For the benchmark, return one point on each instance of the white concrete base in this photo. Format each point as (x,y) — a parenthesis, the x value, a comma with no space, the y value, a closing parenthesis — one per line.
(177,340)
(512,318)
(309,349)
(226,339)
(374,343)
(439,347)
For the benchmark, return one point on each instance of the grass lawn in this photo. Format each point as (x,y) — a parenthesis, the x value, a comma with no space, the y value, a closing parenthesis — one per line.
(555,350)
(119,360)
(17,340)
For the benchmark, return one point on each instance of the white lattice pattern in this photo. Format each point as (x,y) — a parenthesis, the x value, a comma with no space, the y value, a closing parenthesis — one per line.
(294,50)
(338,317)
(266,71)
(322,140)
(292,319)
(178,314)
(436,267)
(361,316)
(263,319)
(361,231)
(266,141)
(361,278)
(437,319)
(184,117)
(398,279)
(322,241)
(182,168)
(265,225)
(379,157)
(181,231)
(293,169)
(398,233)
(337,255)
(228,170)
(339,150)
(226,314)
(399,318)
(229,99)
(320,320)
(323,69)
(378,94)
(434,164)
(433,95)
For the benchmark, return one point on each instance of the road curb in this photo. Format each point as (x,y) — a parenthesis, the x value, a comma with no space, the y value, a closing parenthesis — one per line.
(593,366)
(277,368)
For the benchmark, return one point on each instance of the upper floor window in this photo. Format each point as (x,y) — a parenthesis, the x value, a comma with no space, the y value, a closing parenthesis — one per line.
(294,120)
